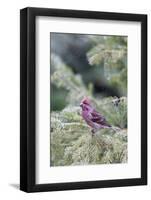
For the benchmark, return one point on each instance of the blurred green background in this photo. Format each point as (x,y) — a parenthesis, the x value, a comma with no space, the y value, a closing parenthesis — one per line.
(100,60)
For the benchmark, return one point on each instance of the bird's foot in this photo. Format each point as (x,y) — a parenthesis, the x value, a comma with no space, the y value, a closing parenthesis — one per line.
(93,131)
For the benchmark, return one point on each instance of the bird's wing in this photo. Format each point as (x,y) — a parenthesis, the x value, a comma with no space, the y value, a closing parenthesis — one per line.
(98,118)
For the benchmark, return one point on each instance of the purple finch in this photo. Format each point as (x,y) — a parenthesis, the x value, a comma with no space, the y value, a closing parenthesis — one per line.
(93,118)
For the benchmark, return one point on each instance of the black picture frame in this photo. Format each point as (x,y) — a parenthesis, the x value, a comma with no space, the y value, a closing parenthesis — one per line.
(28,99)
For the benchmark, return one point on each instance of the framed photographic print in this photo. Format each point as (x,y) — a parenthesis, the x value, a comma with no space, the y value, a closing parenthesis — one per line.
(83,99)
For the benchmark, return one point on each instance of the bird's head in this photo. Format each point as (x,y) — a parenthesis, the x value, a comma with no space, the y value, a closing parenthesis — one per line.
(85,102)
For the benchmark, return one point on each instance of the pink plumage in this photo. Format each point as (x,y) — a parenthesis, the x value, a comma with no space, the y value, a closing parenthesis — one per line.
(93,118)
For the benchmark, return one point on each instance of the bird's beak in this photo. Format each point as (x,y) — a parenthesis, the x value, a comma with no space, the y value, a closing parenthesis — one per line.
(80,104)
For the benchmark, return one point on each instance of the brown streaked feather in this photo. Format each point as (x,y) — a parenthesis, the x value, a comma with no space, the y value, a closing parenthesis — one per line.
(98,118)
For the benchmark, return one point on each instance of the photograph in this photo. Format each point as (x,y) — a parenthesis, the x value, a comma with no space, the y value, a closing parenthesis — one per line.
(83,84)
(88,99)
